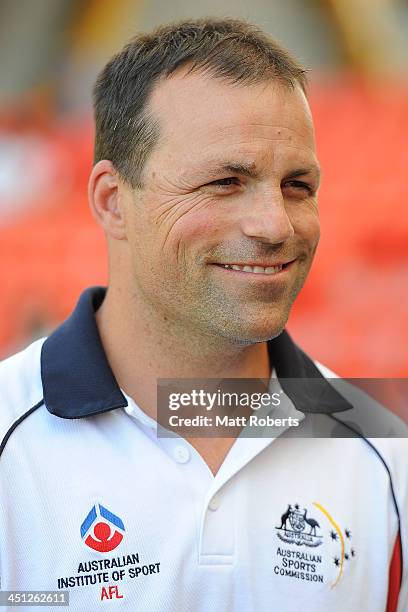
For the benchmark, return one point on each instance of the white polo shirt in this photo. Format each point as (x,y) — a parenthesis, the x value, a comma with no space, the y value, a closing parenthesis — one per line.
(92,502)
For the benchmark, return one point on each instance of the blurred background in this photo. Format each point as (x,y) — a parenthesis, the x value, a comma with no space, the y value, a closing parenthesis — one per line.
(352,313)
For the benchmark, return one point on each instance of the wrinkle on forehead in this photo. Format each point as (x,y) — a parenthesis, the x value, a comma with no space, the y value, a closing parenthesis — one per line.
(220,128)
(234,147)
(263,131)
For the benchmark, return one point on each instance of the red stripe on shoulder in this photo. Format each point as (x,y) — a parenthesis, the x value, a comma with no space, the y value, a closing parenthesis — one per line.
(394,580)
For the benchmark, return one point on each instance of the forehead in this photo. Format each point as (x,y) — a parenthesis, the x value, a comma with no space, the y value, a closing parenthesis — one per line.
(200,116)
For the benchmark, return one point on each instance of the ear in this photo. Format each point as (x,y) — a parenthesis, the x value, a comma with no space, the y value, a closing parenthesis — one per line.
(105,199)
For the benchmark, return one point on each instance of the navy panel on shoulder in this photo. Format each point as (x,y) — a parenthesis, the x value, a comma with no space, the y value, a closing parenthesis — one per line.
(76,375)
(302,380)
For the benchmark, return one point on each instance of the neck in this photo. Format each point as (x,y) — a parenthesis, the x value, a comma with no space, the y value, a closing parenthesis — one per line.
(142,346)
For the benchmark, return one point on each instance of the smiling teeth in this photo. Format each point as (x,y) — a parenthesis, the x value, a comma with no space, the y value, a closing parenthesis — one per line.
(254,269)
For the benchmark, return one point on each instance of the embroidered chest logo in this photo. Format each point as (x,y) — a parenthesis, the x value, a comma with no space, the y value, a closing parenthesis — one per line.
(302,530)
(102,530)
(299,528)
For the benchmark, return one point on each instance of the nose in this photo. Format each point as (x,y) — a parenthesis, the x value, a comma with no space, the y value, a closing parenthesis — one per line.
(266,218)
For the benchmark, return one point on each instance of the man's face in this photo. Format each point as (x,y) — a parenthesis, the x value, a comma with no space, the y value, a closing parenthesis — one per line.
(223,234)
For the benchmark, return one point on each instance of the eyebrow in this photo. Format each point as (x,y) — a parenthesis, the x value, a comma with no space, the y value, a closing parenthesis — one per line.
(238,168)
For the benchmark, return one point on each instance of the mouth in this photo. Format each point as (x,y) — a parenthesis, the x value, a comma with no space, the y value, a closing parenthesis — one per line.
(265,270)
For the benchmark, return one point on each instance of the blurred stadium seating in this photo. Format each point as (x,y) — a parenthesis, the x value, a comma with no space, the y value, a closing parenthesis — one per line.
(352,314)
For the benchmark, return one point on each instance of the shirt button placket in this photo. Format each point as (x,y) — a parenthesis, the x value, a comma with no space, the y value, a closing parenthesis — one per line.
(214,503)
(217,546)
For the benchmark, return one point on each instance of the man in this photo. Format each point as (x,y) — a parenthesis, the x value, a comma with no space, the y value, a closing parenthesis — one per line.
(205,183)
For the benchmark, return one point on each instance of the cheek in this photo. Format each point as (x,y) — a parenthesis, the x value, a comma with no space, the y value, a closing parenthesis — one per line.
(172,222)
(197,227)
(194,235)
(306,224)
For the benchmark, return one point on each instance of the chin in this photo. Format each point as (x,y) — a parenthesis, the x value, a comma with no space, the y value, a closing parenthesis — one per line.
(248,333)
(256,339)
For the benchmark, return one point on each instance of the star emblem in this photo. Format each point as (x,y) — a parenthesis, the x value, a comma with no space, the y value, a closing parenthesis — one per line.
(336,561)
(333,536)
(348,533)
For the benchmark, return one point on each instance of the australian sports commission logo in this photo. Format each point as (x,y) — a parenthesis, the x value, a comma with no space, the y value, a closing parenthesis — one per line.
(102,530)
(298,528)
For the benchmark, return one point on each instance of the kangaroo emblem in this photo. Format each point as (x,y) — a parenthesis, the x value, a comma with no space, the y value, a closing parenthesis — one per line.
(285,517)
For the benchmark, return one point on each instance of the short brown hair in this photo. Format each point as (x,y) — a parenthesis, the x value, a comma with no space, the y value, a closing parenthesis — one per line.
(229,49)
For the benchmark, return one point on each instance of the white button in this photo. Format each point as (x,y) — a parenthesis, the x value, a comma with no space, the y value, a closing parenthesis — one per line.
(214,503)
(181,454)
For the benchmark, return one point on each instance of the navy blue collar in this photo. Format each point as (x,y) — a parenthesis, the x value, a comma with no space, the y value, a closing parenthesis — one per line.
(78,381)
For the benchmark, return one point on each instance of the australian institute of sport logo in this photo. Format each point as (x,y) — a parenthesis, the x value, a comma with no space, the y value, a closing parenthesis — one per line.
(102,530)
(298,528)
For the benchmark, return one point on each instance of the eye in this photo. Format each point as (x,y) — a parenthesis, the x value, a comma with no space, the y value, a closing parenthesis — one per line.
(299,187)
(224,183)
